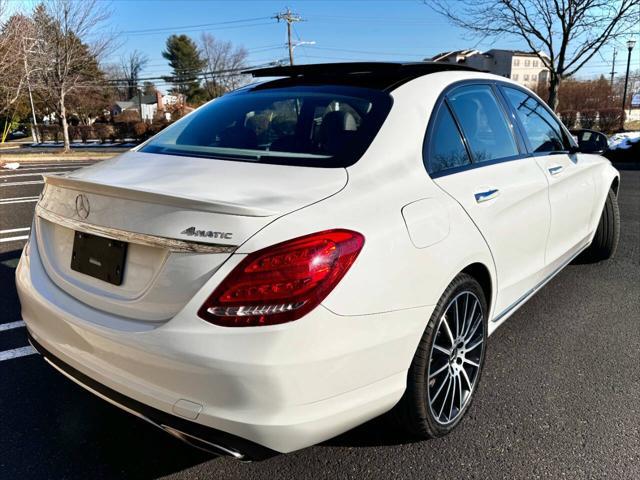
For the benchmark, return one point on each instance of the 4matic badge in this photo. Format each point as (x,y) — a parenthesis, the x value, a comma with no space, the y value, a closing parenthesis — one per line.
(193,232)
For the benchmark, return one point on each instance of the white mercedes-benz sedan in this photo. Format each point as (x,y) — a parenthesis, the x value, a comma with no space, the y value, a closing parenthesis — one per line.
(312,251)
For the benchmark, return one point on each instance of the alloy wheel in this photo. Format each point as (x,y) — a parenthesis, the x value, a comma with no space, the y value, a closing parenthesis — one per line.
(455,358)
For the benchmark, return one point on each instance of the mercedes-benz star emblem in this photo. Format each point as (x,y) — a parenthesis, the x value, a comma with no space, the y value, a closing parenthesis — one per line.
(82,206)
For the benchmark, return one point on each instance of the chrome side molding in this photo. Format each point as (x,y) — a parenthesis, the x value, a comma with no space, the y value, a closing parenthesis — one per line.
(172,244)
(521,301)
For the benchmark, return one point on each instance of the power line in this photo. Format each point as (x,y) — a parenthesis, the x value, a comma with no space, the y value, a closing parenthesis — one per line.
(157,29)
(168,78)
(199,29)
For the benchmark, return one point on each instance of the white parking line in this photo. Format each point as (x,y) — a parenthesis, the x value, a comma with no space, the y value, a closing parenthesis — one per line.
(43,163)
(29,197)
(17,353)
(9,201)
(11,325)
(14,239)
(15,184)
(36,174)
(13,230)
(58,167)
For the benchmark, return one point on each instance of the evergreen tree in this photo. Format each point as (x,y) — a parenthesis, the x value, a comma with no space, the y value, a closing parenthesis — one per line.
(186,64)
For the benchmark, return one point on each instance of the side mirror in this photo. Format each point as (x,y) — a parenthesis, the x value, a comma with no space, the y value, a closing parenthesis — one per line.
(590,141)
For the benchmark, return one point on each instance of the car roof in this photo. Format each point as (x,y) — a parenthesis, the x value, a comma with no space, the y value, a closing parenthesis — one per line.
(380,75)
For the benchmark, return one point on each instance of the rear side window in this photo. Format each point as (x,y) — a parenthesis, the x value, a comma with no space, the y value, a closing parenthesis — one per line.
(483,123)
(445,149)
(540,127)
(313,126)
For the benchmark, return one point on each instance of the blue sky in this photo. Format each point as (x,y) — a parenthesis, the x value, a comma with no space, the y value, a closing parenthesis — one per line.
(347,30)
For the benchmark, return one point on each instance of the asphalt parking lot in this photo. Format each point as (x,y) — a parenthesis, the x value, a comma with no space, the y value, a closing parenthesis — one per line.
(559,398)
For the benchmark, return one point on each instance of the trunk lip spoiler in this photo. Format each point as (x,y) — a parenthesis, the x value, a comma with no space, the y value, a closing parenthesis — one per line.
(213,206)
(172,244)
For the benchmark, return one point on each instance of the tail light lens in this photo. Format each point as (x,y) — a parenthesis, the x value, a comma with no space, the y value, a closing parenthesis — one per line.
(283,282)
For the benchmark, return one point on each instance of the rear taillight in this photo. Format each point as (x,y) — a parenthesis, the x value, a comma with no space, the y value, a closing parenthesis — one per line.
(283,282)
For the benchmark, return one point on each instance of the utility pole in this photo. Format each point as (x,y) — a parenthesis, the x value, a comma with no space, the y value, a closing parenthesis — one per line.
(289,17)
(139,101)
(613,66)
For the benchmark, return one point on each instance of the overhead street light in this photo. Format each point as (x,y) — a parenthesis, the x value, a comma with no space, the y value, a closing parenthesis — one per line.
(630,44)
(284,61)
(298,44)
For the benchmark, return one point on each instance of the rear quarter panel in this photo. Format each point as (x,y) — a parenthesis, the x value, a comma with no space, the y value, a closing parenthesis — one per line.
(604,174)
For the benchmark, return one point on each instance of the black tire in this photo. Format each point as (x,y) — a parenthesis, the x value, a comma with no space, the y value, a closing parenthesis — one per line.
(413,413)
(605,241)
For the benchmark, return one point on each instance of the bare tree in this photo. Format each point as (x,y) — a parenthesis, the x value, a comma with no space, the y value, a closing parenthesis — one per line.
(13,33)
(223,64)
(132,65)
(71,40)
(570,31)
(114,76)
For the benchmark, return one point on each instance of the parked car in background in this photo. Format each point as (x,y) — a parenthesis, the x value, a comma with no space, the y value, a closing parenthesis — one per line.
(16,135)
(624,147)
(307,253)
(619,148)
(591,141)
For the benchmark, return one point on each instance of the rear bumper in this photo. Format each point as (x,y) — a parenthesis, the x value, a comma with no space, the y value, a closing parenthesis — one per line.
(199,436)
(251,390)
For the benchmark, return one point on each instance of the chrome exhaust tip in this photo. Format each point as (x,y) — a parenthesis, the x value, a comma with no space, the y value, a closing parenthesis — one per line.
(205,445)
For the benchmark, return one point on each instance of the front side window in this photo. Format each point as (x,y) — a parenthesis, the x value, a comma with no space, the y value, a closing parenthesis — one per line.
(540,127)
(483,123)
(313,126)
(445,148)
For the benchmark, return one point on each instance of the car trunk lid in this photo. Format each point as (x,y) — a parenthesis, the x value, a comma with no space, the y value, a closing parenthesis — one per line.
(181,217)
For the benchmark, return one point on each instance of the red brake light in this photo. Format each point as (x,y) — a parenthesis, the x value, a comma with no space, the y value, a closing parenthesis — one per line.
(283,282)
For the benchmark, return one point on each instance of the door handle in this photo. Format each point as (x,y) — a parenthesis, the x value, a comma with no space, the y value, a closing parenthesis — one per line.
(486,195)
(556,169)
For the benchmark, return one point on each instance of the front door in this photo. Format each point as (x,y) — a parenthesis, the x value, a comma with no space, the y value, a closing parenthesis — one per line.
(571,184)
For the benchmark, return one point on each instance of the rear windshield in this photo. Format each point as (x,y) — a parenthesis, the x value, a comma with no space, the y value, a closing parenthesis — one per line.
(313,126)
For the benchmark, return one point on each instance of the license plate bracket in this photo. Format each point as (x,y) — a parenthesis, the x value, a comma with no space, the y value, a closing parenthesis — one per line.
(99,257)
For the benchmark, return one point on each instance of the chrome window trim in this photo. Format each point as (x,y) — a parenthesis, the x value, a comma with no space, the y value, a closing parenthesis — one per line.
(568,138)
(508,116)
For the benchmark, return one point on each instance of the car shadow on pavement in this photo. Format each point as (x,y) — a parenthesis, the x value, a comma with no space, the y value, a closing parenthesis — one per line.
(52,428)
(55,429)
(379,432)
(9,306)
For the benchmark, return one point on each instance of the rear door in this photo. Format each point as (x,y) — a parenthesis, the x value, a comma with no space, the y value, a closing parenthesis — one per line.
(571,185)
(501,188)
